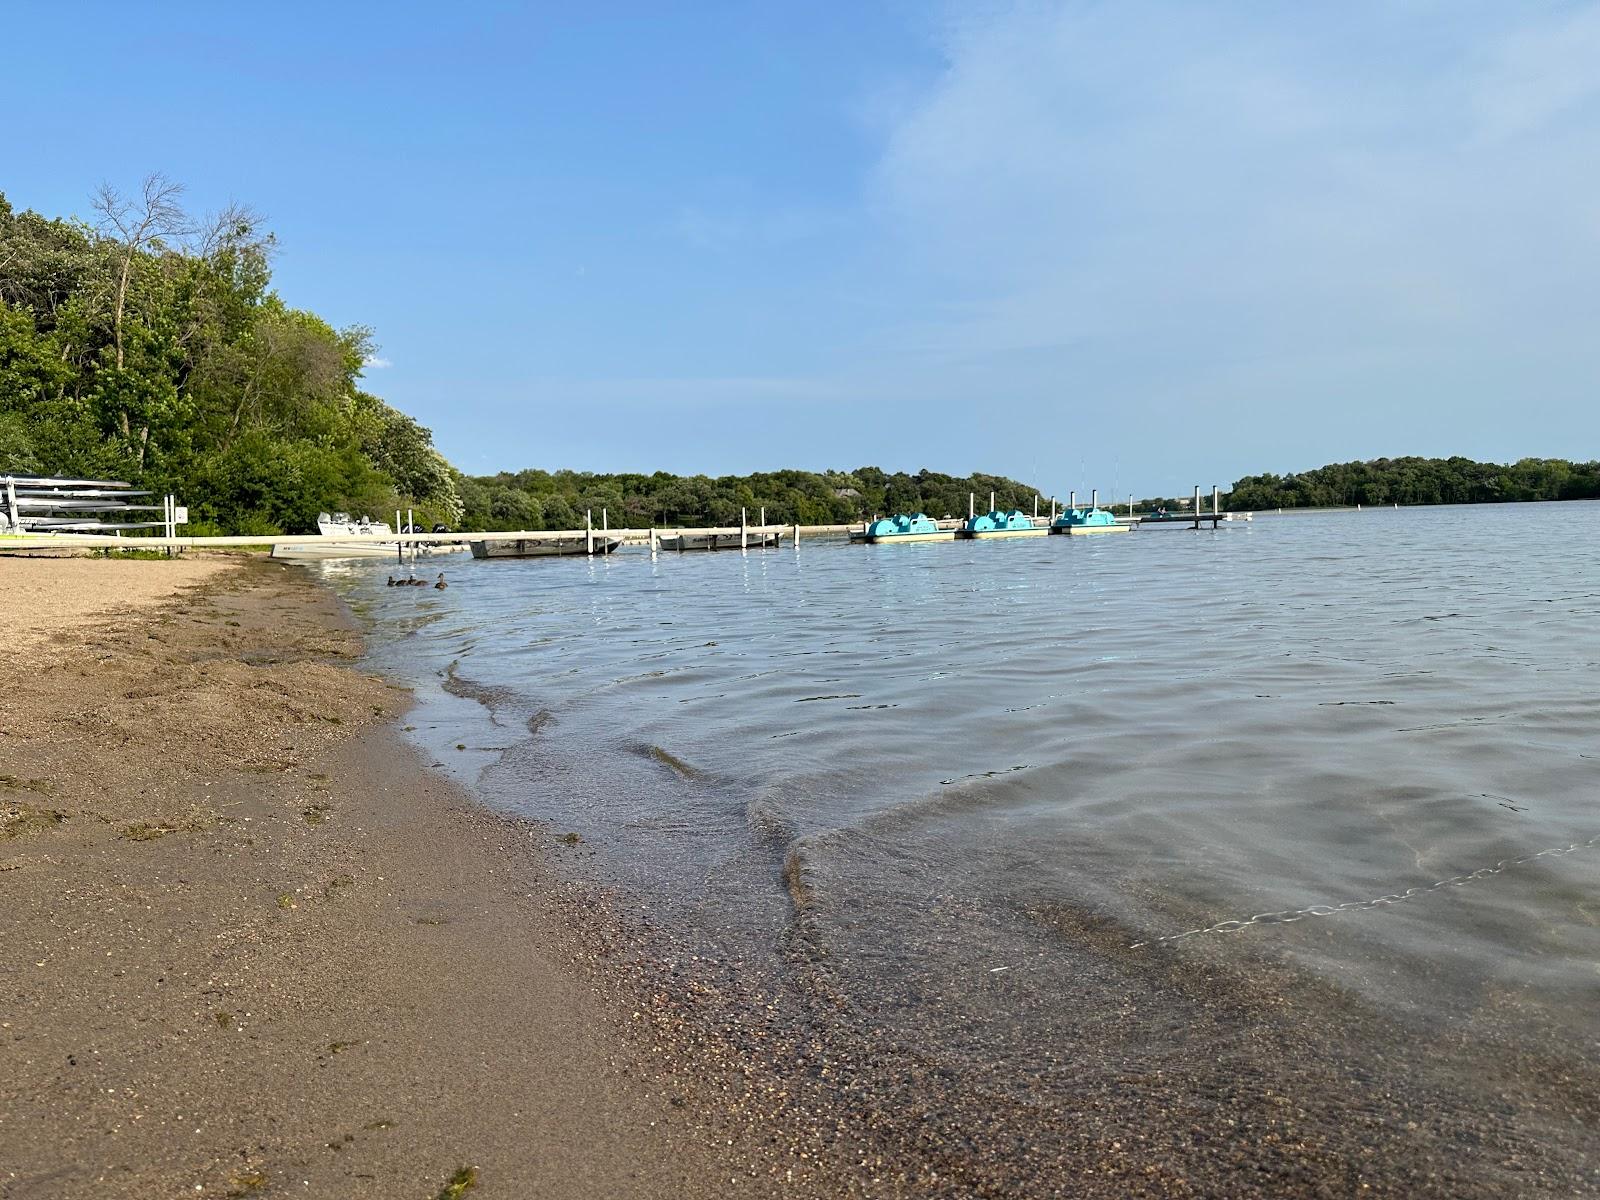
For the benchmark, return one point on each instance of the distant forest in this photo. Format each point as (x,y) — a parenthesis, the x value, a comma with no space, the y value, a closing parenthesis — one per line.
(559,499)
(1418,481)
(148,345)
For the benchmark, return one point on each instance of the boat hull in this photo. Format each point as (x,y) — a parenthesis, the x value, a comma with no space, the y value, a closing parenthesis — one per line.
(541,547)
(1000,533)
(944,535)
(1083,530)
(309,551)
(718,541)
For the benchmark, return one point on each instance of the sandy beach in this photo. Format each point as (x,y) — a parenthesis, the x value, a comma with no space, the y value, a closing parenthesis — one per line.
(253,948)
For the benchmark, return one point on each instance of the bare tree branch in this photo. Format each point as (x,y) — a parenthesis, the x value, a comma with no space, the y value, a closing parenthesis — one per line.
(135,224)
(234,226)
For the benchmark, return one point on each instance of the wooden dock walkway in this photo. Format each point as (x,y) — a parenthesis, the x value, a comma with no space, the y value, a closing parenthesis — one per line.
(733,536)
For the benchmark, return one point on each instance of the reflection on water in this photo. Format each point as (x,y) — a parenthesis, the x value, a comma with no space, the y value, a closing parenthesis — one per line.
(975,790)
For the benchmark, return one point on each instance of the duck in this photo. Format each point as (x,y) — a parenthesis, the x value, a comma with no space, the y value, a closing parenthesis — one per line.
(391,581)
(441,584)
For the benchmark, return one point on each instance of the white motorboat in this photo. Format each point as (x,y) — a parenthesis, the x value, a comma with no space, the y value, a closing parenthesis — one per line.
(339,525)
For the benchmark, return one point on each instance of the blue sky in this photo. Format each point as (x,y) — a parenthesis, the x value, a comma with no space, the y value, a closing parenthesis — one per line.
(1127,245)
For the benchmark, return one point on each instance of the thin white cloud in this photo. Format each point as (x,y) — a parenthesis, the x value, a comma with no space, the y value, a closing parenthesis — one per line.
(1160,180)
(373,363)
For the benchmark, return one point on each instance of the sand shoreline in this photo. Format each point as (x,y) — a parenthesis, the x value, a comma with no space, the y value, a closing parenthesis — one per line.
(255,948)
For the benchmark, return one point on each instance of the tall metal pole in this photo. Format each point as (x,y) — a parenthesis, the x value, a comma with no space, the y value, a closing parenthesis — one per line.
(1072,499)
(1094,499)
(1215,508)
(588,530)
(744,531)
(1197,506)
(971,501)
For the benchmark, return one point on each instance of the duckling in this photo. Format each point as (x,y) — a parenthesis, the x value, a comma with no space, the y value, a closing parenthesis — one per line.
(441,585)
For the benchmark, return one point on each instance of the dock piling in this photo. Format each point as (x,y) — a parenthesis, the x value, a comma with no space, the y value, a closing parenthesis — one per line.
(972,499)
(744,531)
(655,542)
(1216,509)
(1197,506)
(588,531)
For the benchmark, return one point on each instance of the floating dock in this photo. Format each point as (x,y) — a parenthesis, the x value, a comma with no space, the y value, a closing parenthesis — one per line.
(551,543)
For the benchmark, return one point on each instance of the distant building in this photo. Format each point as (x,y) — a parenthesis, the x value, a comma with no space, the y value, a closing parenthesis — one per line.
(847,493)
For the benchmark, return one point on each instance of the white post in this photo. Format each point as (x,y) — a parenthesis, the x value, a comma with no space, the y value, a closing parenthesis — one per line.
(653,543)
(763,518)
(399,546)
(1072,499)
(605,520)
(971,502)
(1052,510)
(744,531)
(1094,499)
(1036,506)
(1216,510)
(588,530)
(991,501)
(1197,506)
(797,533)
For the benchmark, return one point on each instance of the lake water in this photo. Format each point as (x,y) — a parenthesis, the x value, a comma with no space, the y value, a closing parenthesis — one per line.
(1292,825)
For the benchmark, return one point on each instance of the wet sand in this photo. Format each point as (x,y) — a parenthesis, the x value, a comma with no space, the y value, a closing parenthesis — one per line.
(253,948)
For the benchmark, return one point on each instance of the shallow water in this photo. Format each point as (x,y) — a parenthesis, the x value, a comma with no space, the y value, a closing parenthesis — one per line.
(973,791)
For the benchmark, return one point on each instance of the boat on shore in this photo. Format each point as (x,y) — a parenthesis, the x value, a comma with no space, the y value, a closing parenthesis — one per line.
(341,525)
(997,524)
(907,527)
(1087,520)
(541,547)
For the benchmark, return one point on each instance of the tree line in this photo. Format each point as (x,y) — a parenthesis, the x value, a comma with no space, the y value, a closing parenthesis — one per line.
(560,499)
(148,345)
(1385,481)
